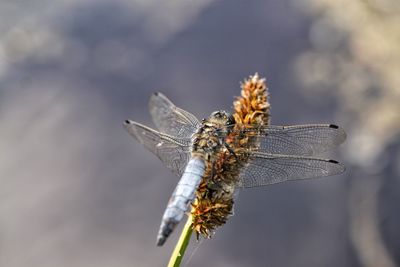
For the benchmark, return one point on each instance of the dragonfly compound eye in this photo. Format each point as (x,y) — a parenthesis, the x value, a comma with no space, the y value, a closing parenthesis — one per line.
(216,114)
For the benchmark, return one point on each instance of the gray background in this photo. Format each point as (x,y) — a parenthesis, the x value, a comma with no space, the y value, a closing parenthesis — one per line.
(77,190)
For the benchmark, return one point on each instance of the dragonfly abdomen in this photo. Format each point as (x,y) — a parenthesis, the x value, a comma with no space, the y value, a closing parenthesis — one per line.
(181,198)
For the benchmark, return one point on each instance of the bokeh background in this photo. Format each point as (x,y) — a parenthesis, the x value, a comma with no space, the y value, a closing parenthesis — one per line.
(77,190)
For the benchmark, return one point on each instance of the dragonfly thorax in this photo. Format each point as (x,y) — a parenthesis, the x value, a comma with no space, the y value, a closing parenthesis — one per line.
(210,136)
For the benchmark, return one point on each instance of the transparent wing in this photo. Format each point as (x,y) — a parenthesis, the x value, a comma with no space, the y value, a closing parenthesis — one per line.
(170,119)
(305,140)
(265,169)
(174,152)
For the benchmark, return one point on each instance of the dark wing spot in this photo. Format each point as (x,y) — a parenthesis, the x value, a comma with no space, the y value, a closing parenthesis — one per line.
(334,126)
(333,161)
(127,122)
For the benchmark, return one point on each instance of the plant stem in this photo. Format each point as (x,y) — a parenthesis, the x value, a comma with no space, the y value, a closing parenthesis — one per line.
(183,242)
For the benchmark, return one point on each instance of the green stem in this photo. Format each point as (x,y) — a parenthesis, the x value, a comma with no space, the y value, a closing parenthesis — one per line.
(183,242)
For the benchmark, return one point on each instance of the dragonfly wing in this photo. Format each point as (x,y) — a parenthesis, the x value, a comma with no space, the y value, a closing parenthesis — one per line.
(170,119)
(304,140)
(265,169)
(174,152)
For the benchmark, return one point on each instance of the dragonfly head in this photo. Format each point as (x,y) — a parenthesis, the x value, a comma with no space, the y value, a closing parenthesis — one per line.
(222,117)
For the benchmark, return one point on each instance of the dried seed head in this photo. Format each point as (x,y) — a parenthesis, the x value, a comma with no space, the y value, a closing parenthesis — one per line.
(253,106)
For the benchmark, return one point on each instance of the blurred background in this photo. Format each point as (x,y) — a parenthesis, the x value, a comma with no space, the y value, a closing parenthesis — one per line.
(77,190)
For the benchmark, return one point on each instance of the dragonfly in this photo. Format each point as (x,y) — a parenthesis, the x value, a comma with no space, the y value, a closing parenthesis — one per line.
(186,145)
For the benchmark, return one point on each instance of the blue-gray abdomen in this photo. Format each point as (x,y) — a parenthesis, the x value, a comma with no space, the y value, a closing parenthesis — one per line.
(181,198)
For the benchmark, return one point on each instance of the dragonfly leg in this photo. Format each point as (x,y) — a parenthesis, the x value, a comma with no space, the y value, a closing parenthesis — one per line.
(230,150)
